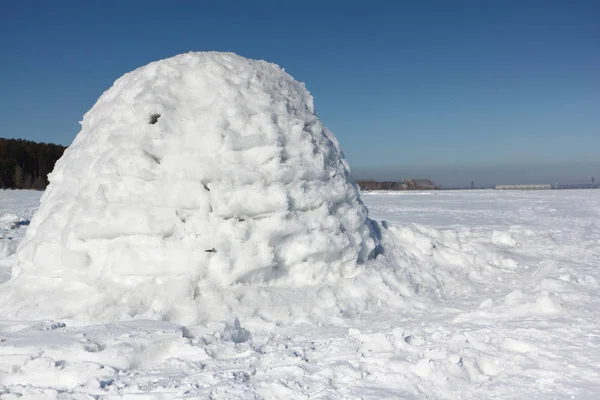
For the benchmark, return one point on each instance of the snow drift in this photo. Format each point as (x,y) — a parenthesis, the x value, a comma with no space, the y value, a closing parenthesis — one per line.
(192,174)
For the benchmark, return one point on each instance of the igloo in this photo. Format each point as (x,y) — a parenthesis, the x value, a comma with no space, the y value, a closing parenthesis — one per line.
(204,170)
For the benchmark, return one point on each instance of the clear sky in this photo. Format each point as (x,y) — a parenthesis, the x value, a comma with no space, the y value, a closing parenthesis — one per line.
(496,91)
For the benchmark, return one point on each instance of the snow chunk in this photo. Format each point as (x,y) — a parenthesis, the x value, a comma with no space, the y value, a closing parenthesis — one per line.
(231,330)
(503,239)
(194,173)
(11,221)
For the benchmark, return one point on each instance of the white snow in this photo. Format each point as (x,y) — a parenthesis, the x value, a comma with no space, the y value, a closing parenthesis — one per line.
(508,321)
(201,239)
(193,174)
(10,221)
(16,210)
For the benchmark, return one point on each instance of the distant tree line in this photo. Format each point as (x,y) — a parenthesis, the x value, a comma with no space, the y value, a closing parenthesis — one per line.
(25,164)
(407,184)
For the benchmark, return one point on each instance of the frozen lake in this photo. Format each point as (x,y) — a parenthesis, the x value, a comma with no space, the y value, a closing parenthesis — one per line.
(515,314)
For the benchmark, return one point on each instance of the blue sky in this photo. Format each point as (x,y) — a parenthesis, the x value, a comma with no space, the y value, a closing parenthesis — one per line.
(491,91)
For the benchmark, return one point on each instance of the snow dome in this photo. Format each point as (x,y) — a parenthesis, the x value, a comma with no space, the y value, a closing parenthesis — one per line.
(201,170)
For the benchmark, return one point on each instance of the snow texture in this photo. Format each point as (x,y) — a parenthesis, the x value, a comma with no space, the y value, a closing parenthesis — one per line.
(511,319)
(201,239)
(16,209)
(191,174)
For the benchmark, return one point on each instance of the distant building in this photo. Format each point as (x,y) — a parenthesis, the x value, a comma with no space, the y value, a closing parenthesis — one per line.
(523,187)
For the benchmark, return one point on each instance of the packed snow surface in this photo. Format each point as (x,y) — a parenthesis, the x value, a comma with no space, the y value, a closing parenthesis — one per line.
(516,316)
(202,238)
(16,209)
(193,174)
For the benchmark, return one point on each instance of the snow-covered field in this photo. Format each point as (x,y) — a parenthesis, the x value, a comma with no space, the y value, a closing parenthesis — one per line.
(507,306)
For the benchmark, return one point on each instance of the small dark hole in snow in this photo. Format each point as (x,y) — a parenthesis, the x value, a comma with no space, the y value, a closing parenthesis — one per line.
(153,119)
(105,384)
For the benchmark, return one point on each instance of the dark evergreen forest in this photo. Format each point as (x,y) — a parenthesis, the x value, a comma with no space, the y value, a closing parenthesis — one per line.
(25,164)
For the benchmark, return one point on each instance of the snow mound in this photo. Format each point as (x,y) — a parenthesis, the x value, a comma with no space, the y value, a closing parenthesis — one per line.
(192,174)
